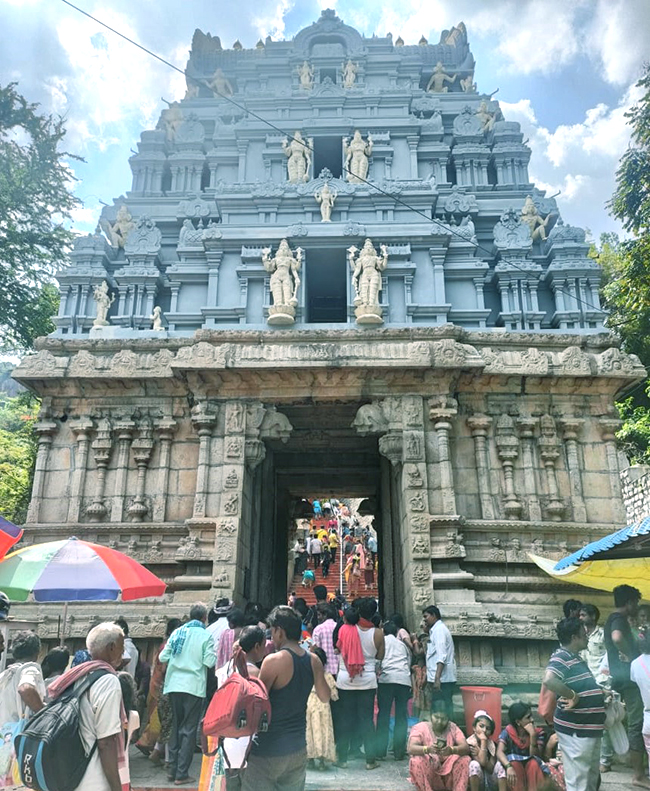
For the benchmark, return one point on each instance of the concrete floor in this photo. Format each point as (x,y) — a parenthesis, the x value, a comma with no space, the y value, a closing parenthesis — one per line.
(391,776)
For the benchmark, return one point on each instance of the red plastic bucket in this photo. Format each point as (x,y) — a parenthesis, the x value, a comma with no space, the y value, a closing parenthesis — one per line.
(486,698)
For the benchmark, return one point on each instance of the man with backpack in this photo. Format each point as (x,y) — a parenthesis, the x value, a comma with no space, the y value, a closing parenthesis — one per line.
(278,761)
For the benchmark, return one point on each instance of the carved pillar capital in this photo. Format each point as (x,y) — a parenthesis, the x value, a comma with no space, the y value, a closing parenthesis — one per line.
(391,446)
(479,425)
(254,453)
(203,418)
(571,427)
(608,428)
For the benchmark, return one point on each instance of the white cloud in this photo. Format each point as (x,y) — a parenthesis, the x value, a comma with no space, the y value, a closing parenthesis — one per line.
(272,23)
(578,159)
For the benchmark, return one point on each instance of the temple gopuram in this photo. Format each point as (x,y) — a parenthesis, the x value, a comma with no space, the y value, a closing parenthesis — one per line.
(333,274)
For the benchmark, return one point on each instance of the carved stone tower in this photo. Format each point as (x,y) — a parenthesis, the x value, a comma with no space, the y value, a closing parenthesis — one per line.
(376,302)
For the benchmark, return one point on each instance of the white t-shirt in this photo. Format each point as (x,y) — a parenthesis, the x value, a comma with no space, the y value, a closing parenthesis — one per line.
(640,674)
(12,706)
(132,651)
(368,678)
(99,717)
(441,649)
(216,629)
(396,664)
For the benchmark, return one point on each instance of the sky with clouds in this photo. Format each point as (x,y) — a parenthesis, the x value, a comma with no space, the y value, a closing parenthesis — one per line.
(565,69)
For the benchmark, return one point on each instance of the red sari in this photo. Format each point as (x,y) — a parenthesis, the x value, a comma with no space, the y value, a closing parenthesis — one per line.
(433,773)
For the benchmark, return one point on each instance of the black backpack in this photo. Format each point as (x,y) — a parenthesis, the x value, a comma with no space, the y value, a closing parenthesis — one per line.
(49,750)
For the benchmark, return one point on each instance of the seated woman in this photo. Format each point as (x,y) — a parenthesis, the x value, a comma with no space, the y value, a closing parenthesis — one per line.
(485,772)
(439,754)
(520,748)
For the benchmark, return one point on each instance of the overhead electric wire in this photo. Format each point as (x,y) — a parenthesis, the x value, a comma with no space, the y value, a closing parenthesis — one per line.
(397,199)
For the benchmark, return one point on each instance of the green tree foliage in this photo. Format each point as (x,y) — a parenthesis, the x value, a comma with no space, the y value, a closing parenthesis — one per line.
(17,454)
(626,265)
(35,204)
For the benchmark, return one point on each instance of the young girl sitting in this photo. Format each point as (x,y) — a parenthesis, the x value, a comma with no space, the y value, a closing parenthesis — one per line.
(485,772)
(320,730)
(520,746)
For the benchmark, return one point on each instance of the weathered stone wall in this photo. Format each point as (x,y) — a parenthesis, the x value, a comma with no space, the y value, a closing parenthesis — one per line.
(636,492)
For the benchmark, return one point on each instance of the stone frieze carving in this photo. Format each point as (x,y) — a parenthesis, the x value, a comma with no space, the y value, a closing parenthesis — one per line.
(515,362)
(144,239)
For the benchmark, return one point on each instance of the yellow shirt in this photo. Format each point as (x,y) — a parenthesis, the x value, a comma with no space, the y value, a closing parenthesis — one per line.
(334,540)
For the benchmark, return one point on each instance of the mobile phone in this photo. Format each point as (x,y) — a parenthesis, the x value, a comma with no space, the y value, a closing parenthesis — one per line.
(441,744)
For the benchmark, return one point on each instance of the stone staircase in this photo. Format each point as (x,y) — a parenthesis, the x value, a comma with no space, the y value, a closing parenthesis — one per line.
(331,582)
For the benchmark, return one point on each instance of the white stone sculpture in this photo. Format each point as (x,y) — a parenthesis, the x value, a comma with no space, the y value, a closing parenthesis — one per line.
(285,281)
(171,119)
(486,117)
(192,91)
(118,232)
(157,317)
(326,197)
(298,151)
(357,154)
(220,84)
(367,267)
(306,74)
(349,70)
(467,84)
(103,301)
(532,218)
(439,78)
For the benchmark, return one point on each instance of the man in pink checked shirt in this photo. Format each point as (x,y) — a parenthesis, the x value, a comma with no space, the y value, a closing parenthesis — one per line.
(322,636)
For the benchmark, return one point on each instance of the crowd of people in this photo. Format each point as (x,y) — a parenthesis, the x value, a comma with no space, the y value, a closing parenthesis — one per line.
(336,673)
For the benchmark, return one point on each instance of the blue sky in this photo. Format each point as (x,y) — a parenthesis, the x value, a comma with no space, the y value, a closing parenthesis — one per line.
(565,70)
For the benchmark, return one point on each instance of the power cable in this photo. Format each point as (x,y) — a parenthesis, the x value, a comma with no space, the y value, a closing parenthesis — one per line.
(376,187)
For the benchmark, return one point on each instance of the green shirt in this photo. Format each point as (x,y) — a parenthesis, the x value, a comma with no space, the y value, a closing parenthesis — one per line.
(186,671)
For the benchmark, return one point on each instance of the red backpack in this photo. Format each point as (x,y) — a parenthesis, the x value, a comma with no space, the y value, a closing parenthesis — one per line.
(240,707)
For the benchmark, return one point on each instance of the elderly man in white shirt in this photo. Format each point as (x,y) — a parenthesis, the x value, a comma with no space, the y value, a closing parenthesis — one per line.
(441,660)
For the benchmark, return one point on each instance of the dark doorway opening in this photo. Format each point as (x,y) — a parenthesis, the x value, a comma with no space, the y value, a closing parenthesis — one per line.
(326,287)
(325,73)
(328,153)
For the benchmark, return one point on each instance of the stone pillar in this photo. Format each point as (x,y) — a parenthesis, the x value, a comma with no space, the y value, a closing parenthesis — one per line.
(165,429)
(45,429)
(142,447)
(203,421)
(508,450)
(81,429)
(571,427)
(102,447)
(608,428)
(440,413)
(479,425)
(124,430)
(526,426)
(412,141)
(550,451)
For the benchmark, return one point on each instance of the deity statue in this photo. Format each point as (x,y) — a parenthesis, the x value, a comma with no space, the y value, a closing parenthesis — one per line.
(326,197)
(466,229)
(349,70)
(367,267)
(285,281)
(306,74)
(103,300)
(298,151)
(438,80)
(486,118)
(157,317)
(171,119)
(467,84)
(220,84)
(192,91)
(356,157)
(531,217)
(118,232)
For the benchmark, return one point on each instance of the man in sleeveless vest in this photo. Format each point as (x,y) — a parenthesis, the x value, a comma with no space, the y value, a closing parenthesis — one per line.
(278,761)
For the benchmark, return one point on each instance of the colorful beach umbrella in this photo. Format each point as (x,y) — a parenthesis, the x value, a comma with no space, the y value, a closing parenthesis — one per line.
(74,570)
(10,534)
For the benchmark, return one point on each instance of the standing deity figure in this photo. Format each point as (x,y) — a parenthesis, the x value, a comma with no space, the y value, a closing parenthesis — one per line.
(438,80)
(486,118)
(192,91)
(356,157)
(118,232)
(156,318)
(285,281)
(367,267)
(171,119)
(103,300)
(220,84)
(531,217)
(306,74)
(349,70)
(298,151)
(326,197)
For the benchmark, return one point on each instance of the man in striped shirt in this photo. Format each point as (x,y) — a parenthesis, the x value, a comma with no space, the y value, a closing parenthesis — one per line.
(580,715)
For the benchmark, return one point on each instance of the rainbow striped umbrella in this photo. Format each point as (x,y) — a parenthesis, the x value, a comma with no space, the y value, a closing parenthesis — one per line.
(75,570)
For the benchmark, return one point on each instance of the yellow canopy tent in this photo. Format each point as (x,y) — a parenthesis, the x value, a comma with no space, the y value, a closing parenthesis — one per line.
(602,575)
